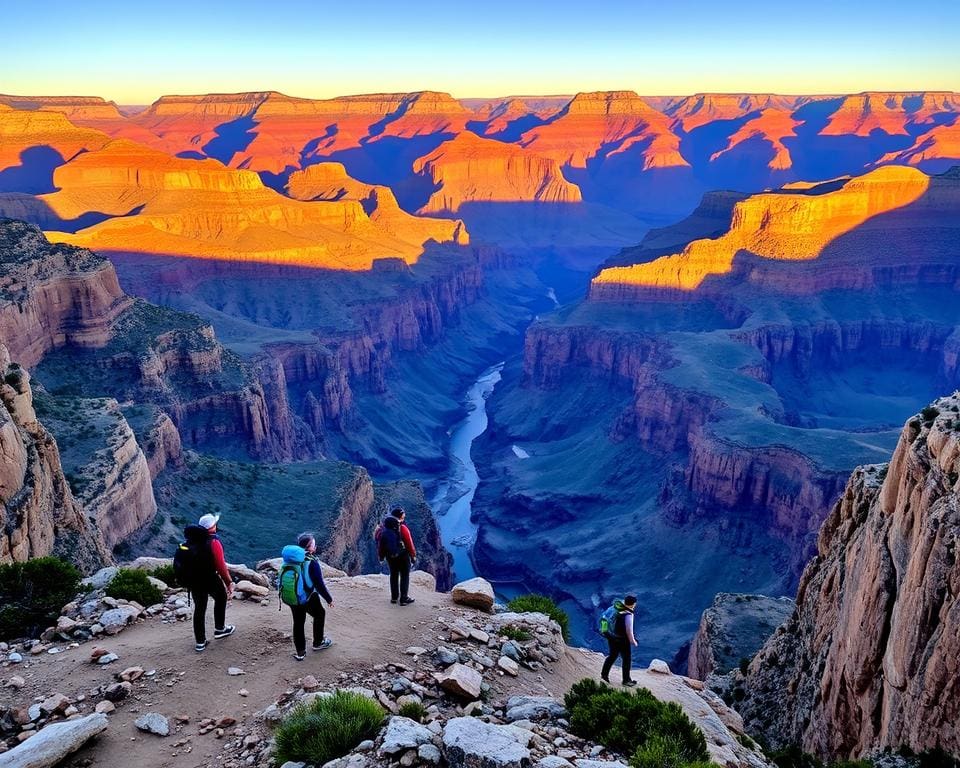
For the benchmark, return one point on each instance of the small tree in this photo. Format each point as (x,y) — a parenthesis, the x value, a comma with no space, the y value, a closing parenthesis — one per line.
(32,594)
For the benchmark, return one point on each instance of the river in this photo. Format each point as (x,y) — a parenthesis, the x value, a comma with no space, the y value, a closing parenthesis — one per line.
(454,497)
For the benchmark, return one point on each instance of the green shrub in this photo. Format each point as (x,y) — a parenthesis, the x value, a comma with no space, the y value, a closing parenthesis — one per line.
(414,710)
(166,574)
(131,584)
(542,604)
(929,413)
(327,728)
(628,722)
(744,665)
(660,751)
(794,757)
(515,633)
(32,594)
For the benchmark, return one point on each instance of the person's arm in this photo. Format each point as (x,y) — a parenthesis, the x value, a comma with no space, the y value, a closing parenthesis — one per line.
(628,624)
(316,576)
(220,564)
(376,537)
(408,541)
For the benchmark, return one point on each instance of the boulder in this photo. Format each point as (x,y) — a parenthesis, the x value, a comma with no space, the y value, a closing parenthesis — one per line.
(533,708)
(508,665)
(477,593)
(245,587)
(56,702)
(554,761)
(54,743)
(446,656)
(244,573)
(582,763)
(461,680)
(660,667)
(116,619)
(423,580)
(429,754)
(153,722)
(402,734)
(471,743)
(101,578)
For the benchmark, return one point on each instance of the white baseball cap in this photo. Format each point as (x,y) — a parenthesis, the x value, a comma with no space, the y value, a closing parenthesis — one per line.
(208,521)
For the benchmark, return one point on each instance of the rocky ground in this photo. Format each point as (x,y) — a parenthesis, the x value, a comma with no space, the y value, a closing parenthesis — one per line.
(130,675)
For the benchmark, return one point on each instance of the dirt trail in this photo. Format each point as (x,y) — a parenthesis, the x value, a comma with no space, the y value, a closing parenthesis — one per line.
(366,629)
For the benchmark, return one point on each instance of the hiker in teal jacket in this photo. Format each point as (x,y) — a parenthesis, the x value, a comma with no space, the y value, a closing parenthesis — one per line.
(313,606)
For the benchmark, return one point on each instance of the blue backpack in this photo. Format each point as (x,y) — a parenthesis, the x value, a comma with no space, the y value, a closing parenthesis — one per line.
(294,584)
(608,620)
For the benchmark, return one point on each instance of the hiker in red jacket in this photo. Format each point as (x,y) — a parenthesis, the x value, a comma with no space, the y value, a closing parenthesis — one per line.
(212,579)
(395,545)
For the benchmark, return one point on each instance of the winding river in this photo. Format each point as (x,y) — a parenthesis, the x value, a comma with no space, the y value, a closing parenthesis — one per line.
(454,497)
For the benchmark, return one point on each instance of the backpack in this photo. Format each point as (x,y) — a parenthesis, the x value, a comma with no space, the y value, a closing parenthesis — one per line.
(294,584)
(390,539)
(608,622)
(192,557)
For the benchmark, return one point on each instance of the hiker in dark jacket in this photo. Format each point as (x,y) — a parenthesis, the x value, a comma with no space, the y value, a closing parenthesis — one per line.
(212,579)
(395,545)
(620,639)
(313,606)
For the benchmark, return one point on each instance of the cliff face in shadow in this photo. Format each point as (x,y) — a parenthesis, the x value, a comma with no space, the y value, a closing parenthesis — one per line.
(869,658)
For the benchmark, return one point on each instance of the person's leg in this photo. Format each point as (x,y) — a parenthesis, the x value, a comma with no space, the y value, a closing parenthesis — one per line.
(315,608)
(299,620)
(611,657)
(394,563)
(219,593)
(625,659)
(404,576)
(199,615)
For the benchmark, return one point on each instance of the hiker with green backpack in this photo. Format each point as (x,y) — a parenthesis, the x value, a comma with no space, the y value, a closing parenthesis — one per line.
(616,625)
(300,584)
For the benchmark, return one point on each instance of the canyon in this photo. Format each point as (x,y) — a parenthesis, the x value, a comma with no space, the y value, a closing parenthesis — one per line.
(277,293)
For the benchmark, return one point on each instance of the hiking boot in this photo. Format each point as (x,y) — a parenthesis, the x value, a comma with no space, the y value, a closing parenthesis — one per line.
(629,683)
(299,656)
(327,642)
(225,632)
(199,647)
(406,600)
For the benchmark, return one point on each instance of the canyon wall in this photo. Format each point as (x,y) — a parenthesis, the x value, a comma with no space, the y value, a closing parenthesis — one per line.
(869,658)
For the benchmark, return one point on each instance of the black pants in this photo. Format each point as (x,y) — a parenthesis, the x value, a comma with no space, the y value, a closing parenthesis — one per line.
(313,606)
(215,589)
(619,646)
(399,576)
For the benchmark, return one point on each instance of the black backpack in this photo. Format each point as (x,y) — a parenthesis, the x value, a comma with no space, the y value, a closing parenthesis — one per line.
(192,560)
(390,538)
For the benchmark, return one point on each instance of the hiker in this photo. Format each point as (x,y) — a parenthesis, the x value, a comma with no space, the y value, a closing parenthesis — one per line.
(302,587)
(201,567)
(395,545)
(616,625)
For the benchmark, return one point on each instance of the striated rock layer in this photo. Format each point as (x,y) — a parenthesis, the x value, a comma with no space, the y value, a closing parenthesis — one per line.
(869,660)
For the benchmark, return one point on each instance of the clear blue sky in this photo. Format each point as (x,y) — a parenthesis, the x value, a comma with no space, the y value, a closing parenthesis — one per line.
(136,51)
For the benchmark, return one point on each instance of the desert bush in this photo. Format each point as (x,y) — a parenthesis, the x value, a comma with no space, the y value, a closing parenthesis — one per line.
(793,757)
(635,723)
(414,710)
(131,584)
(515,633)
(327,728)
(32,594)
(542,604)
(166,574)
(929,413)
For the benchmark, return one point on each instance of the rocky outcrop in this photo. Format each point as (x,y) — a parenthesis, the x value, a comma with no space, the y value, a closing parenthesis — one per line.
(732,630)
(469,168)
(39,515)
(869,659)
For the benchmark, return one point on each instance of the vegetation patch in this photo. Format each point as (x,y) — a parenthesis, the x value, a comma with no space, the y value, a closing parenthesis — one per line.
(327,728)
(166,574)
(131,584)
(515,633)
(656,734)
(542,604)
(32,594)
(414,710)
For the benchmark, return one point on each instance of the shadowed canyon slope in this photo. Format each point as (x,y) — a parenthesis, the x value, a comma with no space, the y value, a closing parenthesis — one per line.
(731,388)
(869,659)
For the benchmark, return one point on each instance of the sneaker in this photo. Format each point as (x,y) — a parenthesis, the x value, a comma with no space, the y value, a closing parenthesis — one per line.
(327,642)
(225,632)
(393,600)
(605,679)
(629,683)
(199,647)
(406,600)
(299,657)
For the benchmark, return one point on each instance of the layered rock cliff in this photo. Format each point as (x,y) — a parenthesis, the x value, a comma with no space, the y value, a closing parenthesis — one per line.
(869,659)
(38,514)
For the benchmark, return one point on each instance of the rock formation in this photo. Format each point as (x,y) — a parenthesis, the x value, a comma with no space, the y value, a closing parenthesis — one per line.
(869,659)
(471,169)
(38,514)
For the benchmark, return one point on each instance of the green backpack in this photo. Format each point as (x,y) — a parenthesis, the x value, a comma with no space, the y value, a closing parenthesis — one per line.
(294,582)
